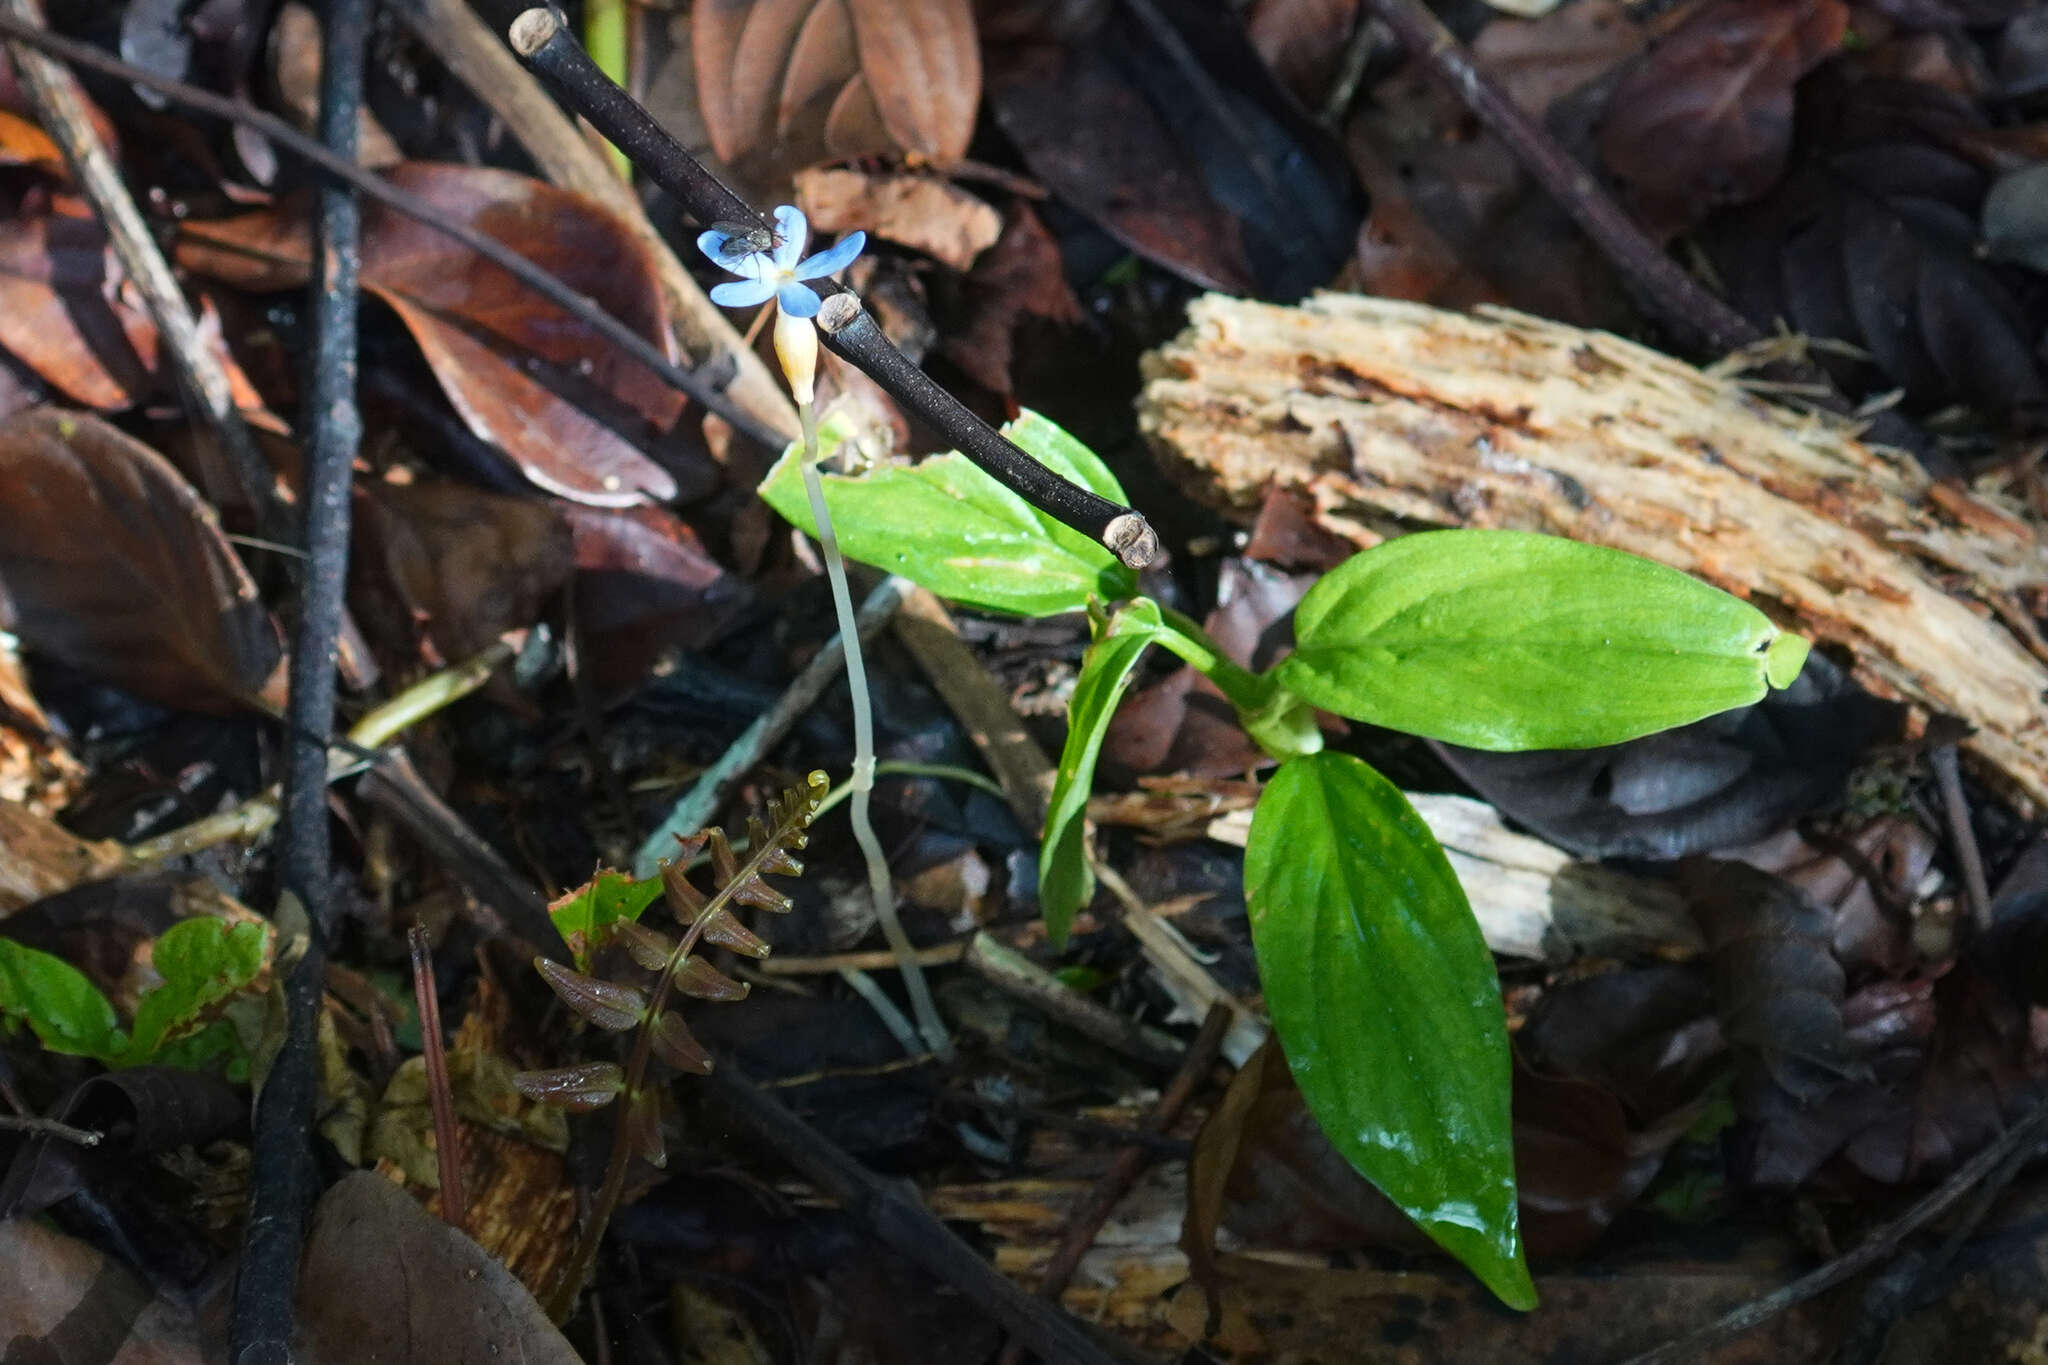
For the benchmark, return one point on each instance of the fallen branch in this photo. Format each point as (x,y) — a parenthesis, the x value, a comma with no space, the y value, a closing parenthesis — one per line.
(543,42)
(1393,416)
(282,1179)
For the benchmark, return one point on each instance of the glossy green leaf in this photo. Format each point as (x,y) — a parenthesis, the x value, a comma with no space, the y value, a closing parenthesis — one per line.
(204,963)
(946,526)
(1384,998)
(1505,640)
(1065,881)
(585,917)
(66,1011)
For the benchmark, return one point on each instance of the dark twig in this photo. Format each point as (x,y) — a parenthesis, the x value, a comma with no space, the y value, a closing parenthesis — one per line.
(1091,1213)
(1672,296)
(2016,1144)
(543,41)
(695,385)
(281,1173)
(892,1213)
(1948,777)
(447,1146)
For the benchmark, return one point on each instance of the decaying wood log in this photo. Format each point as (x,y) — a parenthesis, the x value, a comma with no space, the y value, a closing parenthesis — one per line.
(1396,416)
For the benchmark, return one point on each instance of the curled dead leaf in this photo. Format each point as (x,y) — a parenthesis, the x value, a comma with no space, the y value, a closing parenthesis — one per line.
(111,562)
(545,389)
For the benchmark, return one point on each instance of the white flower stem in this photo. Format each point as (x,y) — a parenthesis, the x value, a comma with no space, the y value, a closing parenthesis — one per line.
(863,782)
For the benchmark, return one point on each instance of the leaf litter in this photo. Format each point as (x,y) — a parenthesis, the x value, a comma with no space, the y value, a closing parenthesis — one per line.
(1863,175)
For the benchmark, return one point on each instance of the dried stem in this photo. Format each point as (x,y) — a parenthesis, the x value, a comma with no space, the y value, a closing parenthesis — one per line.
(697,386)
(543,41)
(2024,1137)
(1676,299)
(281,1177)
(447,1142)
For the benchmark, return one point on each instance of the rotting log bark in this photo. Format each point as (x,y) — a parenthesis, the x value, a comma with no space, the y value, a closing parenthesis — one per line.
(1394,416)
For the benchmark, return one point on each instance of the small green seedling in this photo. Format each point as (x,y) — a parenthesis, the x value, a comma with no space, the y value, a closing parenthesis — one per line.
(205,963)
(1380,986)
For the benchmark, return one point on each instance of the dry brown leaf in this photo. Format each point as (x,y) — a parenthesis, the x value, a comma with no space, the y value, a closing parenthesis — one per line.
(384,1280)
(62,314)
(466,564)
(24,144)
(644,585)
(923,212)
(68,1304)
(39,858)
(1022,275)
(1707,118)
(482,330)
(789,83)
(111,562)
(1302,41)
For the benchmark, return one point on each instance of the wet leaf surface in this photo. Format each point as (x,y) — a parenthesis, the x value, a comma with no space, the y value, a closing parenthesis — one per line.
(110,562)
(545,389)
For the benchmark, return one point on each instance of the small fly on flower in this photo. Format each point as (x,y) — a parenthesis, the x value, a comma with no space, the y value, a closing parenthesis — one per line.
(742,240)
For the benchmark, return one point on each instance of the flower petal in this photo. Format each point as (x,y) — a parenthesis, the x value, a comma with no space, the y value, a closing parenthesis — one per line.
(743,293)
(796,300)
(834,260)
(792,230)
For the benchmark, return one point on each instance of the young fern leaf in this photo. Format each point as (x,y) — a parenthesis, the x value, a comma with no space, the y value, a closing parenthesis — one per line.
(660,1033)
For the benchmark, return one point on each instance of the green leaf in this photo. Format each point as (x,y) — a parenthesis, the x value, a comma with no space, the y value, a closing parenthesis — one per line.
(204,963)
(66,1011)
(1065,881)
(946,526)
(1505,640)
(1384,998)
(585,917)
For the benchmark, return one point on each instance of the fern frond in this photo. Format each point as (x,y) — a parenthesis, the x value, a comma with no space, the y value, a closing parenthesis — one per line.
(661,1034)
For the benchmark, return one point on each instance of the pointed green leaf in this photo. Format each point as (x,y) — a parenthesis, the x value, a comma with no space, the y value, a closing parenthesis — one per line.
(1384,998)
(946,526)
(1505,640)
(587,916)
(1065,881)
(66,1011)
(203,963)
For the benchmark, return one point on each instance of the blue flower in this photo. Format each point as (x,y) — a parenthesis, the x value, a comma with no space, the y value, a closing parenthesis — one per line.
(770,268)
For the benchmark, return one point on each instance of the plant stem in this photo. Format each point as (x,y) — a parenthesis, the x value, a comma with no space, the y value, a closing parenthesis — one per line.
(562,1301)
(928,1022)
(604,33)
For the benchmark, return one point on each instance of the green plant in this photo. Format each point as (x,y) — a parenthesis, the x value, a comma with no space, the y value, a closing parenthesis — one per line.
(608,909)
(1379,984)
(203,964)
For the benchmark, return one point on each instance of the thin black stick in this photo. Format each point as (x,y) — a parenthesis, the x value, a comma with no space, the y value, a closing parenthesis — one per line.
(447,1147)
(2023,1137)
(1675,298)
(696,385)
(281,1176)
(543,41)
(893,1215)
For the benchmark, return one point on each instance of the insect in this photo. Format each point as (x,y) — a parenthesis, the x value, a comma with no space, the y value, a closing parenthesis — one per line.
(742,240)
